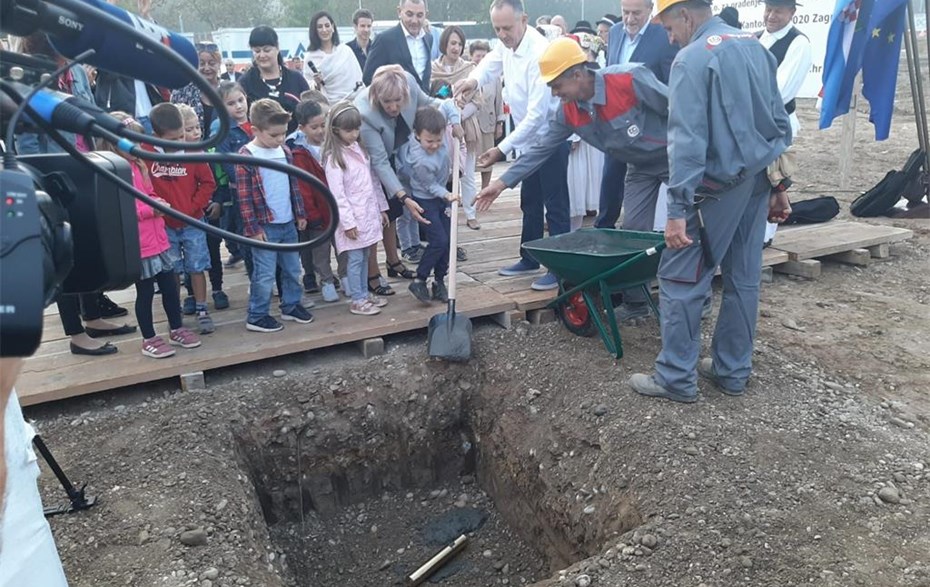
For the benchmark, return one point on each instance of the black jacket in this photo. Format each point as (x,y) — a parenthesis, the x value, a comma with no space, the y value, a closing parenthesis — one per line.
(291,86)
(114,92)
(391,47)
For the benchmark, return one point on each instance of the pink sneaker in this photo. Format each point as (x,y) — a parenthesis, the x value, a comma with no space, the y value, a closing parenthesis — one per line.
(156,348)
(377,301)
(184,338)
(364,308)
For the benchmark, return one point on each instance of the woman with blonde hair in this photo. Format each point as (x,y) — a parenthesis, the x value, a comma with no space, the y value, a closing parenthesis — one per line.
(388,107)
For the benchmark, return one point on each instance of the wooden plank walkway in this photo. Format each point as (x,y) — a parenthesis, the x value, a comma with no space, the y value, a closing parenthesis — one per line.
(54,373)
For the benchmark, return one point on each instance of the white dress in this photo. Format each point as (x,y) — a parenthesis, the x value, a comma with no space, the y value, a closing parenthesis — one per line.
(340,70)
(585,170)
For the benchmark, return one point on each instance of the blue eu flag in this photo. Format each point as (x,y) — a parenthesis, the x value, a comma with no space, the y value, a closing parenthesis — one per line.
(846,43)
(880,62)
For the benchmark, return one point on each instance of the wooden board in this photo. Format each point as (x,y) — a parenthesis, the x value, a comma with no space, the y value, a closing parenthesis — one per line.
(54,373)
(820,240)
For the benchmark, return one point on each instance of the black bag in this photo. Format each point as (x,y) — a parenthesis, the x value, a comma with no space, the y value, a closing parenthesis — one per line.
(879,200)
(813,211)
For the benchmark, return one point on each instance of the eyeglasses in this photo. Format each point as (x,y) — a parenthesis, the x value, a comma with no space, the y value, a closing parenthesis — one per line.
(212,47)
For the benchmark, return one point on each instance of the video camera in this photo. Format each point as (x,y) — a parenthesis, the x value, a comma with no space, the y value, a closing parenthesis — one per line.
(68,220)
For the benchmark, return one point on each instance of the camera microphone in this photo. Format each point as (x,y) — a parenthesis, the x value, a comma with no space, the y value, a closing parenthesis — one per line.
(70,113)
(72,34)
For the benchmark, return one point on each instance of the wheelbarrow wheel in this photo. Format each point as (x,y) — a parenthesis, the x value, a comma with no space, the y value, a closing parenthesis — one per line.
(576,317)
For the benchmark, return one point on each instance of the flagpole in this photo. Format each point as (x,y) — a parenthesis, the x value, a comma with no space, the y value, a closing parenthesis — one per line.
(912,48)
(848,135)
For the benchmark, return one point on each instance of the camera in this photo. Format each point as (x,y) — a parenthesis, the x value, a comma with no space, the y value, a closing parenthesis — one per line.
(63,229)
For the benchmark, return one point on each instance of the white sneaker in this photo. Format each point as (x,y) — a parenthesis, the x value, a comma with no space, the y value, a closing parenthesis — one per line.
(330,294)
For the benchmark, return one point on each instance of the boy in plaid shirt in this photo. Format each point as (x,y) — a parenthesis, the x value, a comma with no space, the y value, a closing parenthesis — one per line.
(272,211)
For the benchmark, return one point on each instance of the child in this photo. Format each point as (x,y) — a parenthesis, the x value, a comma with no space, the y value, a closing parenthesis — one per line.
(240,133)
(306,144)
(188,188)
(270,204)
(423,167)
(157,263)
(362,207)
(213,214)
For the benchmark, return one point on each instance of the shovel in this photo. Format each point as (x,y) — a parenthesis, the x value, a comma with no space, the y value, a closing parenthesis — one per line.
(449,334)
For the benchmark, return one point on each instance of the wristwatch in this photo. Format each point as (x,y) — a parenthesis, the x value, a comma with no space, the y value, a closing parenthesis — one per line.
(403,198)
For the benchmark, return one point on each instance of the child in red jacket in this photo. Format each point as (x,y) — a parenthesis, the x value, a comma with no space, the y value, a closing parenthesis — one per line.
(188,187)
(305,143)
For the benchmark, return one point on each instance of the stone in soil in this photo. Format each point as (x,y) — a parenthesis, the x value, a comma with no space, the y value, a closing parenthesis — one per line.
(195,537)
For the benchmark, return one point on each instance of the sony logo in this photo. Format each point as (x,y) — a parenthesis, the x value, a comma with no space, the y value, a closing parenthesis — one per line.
(71,24)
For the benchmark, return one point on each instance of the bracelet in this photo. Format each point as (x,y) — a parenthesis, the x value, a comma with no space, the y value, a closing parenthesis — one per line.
(403,199)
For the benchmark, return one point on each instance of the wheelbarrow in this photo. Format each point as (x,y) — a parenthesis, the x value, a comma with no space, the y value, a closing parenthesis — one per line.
(593,265)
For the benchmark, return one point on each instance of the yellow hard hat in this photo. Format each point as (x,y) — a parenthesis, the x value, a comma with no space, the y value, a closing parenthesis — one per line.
(561,54)
(663,5)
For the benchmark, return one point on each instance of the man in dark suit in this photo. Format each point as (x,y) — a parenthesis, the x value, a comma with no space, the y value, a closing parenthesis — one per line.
(230,74)
(409,45)
(634,40)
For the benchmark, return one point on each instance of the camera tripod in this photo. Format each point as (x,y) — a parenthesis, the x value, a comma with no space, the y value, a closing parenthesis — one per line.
(78,500)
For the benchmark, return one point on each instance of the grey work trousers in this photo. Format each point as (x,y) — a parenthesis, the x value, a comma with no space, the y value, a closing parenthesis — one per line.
(735,225)
(641,191)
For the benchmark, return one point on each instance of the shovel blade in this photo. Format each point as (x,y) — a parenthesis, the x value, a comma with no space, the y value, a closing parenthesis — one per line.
(450,337)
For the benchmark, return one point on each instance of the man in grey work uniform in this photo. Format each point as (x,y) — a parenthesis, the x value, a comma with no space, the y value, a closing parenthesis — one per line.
(727,123)
(621,110)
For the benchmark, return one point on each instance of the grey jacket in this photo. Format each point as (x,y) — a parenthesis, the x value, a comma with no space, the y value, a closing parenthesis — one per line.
(423,175)
(378,129)
(726,120)
(626,119)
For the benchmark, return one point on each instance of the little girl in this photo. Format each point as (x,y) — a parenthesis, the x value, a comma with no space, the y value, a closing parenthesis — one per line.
(157,264)
(362,207)
(240,133)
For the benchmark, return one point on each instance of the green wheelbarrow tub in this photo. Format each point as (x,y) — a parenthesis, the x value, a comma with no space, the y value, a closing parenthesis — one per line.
(578,256)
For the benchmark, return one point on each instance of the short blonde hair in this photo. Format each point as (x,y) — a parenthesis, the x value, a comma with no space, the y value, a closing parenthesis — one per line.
(389,82)
(187,112)
(266,113)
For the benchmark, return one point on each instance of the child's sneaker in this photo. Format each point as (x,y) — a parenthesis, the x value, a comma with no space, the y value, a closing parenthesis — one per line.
(205,322)
(377,301)
(440,293)
(419,290)
(264,324)
(184,338)
(220,300)
(364,308)
(298,314)
(190,306)
(310,285)
(156,348)
(330,294)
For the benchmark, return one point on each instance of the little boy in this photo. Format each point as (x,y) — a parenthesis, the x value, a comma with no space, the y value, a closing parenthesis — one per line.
(193,133)
(187,187)
(270,204)
(423,168)
(305,144)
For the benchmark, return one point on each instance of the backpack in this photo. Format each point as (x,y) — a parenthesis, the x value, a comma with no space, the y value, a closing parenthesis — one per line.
(813,211)
(879,200)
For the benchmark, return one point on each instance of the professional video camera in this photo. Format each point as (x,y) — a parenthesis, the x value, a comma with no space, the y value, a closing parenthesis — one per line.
(68,221)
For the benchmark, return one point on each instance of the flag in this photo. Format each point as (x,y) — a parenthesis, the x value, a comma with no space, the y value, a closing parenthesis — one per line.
(845,45)
(880,62)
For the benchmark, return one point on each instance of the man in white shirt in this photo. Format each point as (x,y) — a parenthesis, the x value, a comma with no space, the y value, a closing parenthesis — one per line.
(792,50)
(543,194)
(409,44)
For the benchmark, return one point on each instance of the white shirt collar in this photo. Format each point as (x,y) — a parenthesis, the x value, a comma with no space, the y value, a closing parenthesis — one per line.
(525,46)
(780,33)
(409,36)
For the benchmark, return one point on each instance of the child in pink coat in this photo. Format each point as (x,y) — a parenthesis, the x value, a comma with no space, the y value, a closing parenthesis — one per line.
(157,264)
(362,207)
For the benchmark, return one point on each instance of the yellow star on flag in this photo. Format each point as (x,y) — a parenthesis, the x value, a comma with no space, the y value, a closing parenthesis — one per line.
(876,33)
(891,38)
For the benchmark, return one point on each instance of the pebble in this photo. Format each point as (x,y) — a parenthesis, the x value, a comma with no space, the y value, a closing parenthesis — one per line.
(487,554)
(791,324)
(589,510)
(901,423)
(385,565)
(278,373)
(691,450)
(600,410)
(745,562)
(195,537)
(143,537)
(211,573)
(650,540)
(889,494)
(582,581)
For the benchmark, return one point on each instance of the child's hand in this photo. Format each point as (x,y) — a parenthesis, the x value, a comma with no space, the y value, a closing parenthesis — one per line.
(302,224)
(384,220)
(352,233)
(158,212)
(454,198)
(214,210)
(259,236)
